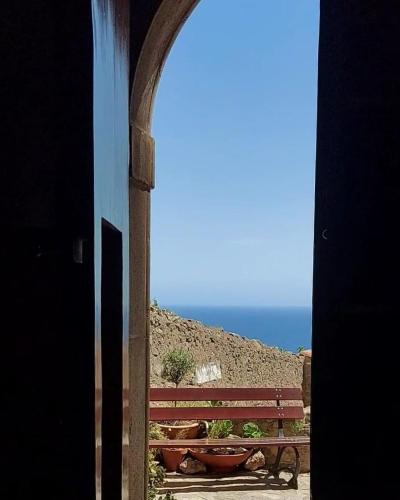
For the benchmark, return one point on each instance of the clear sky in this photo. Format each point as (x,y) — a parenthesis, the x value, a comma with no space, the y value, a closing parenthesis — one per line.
(234,123)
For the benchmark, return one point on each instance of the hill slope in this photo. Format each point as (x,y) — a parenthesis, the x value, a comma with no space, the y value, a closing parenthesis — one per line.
(243,362)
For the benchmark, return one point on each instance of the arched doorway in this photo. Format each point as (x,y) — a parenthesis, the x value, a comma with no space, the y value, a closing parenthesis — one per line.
(160,38)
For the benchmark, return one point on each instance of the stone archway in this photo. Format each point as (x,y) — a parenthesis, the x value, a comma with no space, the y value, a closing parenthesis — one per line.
(356,266)
(166,24)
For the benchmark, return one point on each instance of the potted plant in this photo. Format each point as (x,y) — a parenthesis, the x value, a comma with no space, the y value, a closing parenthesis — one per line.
(224,459)
(176,365)
(172,457)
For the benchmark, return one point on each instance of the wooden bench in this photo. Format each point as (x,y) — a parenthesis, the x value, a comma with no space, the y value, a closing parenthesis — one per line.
(275,412)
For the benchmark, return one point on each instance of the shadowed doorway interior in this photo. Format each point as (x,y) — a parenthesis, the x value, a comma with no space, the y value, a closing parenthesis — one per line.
(111,347)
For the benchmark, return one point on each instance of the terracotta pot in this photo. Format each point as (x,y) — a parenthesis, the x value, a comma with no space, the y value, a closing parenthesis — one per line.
(221,463)
(187,431)
(173,457)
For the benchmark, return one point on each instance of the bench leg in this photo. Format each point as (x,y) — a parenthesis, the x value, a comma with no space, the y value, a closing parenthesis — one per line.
(275,470)
(293,482)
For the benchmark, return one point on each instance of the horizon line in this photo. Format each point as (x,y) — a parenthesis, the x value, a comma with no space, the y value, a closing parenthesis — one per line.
(307,306)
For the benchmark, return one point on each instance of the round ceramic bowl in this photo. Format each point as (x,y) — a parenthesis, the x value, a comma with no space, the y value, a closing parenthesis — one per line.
(220,463)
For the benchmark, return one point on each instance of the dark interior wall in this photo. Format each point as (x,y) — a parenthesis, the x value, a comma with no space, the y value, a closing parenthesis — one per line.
(111,207)
(46,211)
(65,102)
(356,267)
(46,117)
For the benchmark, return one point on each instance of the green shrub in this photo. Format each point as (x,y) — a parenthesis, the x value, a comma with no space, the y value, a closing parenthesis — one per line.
(156,477)
(297,427)
(155,431)
(220,429)
(176,364)
(251,430)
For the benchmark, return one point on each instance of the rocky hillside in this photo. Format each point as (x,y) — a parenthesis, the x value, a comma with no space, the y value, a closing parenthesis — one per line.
(234,361)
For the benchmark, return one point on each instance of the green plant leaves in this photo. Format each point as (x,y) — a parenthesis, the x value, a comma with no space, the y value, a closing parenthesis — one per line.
(251,430)
(176,365)
(220,429)
(156,476)
(297,427)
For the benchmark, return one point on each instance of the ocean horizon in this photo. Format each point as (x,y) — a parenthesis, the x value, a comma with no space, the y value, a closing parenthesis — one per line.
(285,327)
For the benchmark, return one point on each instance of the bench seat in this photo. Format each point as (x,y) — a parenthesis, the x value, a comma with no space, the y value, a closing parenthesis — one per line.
(231,443)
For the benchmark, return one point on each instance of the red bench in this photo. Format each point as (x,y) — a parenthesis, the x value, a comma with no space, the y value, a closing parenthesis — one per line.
(275,412)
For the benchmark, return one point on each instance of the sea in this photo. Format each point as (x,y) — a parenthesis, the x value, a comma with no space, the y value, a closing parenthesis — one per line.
(288,328)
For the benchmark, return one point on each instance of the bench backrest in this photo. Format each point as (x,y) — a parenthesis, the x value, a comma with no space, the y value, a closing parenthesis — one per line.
(253,412)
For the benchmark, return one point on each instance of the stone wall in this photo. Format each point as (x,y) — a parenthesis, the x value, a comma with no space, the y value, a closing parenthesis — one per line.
(306,385)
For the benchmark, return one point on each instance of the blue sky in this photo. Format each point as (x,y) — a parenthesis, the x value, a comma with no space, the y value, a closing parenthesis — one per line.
(234,122)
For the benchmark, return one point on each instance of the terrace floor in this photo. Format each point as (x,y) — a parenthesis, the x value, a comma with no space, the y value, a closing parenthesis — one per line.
(238,486)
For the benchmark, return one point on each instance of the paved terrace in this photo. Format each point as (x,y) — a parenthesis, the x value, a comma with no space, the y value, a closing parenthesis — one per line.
(242,486)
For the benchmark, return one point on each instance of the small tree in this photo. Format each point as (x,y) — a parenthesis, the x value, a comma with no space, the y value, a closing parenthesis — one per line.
(176,365)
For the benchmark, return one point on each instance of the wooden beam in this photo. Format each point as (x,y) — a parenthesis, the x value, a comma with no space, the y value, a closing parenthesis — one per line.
(226,394)
(232,443)
(226,413)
